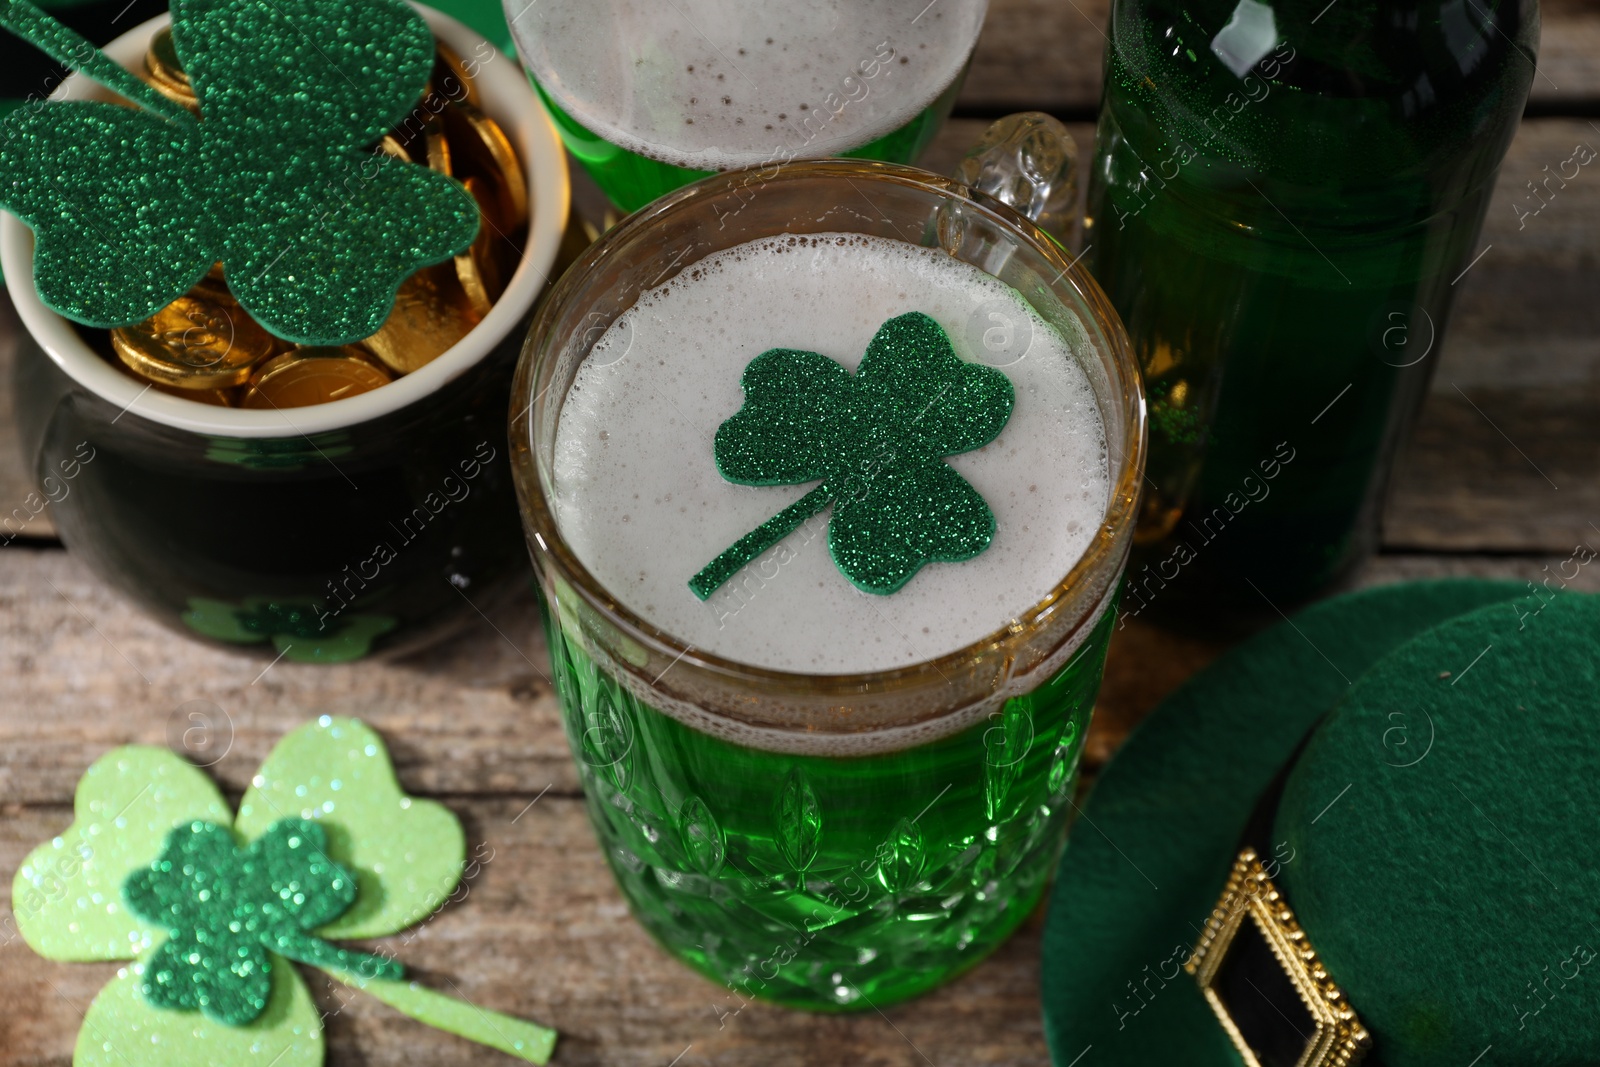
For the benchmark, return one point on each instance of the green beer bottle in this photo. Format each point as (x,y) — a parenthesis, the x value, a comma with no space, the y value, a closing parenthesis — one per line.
(1282,199)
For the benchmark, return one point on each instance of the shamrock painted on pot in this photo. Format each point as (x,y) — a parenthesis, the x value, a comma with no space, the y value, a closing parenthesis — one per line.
(273,454)
(209,909)
(295,629)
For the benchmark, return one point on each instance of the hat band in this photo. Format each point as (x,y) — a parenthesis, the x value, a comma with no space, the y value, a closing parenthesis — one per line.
(1258,971)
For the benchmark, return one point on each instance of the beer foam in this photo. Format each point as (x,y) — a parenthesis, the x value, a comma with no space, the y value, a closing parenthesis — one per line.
(718,84)
(637,494)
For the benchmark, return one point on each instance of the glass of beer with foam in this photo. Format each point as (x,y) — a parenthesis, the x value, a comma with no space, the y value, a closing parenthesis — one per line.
(812,787)
(649,96)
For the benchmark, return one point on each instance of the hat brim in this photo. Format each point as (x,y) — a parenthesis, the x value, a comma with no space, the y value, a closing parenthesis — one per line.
(1154,842)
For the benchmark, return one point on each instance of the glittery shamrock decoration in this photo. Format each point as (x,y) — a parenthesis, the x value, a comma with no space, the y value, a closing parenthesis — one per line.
(224,907)
(130,207)
(877,441)
(211,909)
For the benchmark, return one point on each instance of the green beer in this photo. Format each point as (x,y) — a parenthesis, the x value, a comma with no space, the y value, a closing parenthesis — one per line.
(813,794)
(1282,200)
(649,97)
(824,882)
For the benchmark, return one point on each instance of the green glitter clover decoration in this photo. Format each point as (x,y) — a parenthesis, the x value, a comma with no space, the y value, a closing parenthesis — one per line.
(209,909)
(224,907)
(877,441)
(130,207)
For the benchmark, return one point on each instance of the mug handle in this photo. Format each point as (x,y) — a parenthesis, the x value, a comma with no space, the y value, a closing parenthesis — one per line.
(1029,162)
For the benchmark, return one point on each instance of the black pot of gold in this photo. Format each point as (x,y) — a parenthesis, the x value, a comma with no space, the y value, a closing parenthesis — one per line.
(272,316)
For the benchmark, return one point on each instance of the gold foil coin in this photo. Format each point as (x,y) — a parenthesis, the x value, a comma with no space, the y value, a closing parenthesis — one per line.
(482,149)
(313,375)
(477,268)
(466,88)
(213,287)
(438,146)
(166,72)
(199,341)
(391,146)
(162,58)
(222,398)
(431,313)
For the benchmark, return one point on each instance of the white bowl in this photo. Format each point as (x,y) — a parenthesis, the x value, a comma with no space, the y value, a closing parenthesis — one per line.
(507,98)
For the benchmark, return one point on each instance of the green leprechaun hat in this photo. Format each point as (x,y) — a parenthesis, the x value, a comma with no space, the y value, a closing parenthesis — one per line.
(1368,835)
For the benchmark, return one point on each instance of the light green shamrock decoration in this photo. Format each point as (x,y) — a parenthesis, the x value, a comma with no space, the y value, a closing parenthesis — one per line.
(406,856)
(130,207)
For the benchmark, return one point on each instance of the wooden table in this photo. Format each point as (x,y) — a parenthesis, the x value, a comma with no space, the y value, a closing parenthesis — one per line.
(1500,479)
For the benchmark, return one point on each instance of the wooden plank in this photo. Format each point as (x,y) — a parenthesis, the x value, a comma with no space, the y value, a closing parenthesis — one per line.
(1048,55)
(1569,54)
(1526,314)
(85,672)
(1537,571)
(470,718)
(1041,55)
(1143,665)
(19,496)
(1500,470)
(1511,413)
(542,932)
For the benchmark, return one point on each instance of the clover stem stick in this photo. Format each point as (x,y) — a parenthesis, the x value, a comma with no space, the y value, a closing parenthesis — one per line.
(315,952)
(71,48)
(757,541)
(515,1037)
